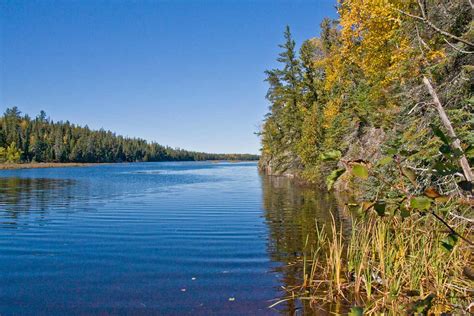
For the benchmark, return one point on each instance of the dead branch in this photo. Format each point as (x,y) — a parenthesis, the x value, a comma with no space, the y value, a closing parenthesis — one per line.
(449,127)
(424,18)
(456,48)
(450,228)
(470,220)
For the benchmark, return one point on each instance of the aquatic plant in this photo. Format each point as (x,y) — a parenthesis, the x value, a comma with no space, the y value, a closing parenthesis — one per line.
(393,265)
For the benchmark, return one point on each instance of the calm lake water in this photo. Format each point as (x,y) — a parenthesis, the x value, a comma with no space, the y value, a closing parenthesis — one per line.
(179,238)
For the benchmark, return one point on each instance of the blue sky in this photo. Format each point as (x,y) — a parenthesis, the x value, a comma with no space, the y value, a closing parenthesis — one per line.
(187,74)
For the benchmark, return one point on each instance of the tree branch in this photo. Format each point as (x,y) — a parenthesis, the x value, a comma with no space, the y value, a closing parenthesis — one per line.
(425,20)
(449,127)
(451,229)
(456,48)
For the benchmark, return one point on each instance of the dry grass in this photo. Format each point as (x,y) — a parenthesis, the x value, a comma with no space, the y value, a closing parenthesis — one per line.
(391,265)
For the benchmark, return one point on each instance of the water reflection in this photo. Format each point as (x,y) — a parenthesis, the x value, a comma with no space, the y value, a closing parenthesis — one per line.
(29,199)
(111,240)
(130,236)
(292,213)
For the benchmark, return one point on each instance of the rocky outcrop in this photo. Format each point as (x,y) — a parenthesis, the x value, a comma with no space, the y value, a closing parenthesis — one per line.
(365,145)
(286,164)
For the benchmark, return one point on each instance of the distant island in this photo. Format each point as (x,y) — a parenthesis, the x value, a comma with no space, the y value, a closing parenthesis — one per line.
(41,140)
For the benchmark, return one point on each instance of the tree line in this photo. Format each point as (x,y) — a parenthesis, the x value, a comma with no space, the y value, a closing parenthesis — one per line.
(40,139)
(380,106)
(369,77)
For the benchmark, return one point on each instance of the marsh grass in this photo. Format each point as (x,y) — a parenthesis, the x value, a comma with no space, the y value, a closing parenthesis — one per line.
(390,264)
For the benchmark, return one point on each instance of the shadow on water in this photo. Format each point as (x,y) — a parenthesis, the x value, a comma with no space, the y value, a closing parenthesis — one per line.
(292,213)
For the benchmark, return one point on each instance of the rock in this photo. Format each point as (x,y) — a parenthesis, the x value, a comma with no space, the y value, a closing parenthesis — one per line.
(365,145)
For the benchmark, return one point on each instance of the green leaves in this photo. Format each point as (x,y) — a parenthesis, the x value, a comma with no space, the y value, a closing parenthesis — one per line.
(422,306)
(385,161)
(445,149)
(360,171)
(391,151)
(470,101)
(3,154)
(332,155)
(421,203)
(410,174)
(356,311)
(438,132)
(450,152)
(12,153)
(379,207)
(469,152)
(333,176)
(449,242)
(404,212)
(445,168)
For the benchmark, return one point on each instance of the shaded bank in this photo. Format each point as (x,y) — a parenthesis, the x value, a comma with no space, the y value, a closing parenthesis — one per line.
(294,213)
(366,262)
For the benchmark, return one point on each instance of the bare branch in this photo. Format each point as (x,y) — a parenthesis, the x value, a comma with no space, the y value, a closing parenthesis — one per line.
(470,220)
(450,228)
(420,39)
(422,9)
(425,20)
(456,48)
(411,15)
(416,105)
(449,127)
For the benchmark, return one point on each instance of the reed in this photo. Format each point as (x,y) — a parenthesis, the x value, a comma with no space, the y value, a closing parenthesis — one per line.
(392,265)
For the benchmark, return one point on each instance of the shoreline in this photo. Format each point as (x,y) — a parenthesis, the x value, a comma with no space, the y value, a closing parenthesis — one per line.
(42,165)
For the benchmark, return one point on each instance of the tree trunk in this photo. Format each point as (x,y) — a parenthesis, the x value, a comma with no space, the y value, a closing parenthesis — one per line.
(447,124)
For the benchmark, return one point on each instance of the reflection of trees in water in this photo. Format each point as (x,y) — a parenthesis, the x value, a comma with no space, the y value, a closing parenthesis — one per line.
(30,198)
(292,213)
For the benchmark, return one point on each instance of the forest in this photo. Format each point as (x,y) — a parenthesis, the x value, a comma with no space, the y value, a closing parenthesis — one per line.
(379,107)
(40,139)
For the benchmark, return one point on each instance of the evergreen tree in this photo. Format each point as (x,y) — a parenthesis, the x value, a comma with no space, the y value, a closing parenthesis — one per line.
(42,140)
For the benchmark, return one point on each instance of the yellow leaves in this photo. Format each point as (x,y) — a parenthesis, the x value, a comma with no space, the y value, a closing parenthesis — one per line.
(320,63)
(375,47)
(330,111)
(333,73)
(24,124)
(372,38)
(436,55)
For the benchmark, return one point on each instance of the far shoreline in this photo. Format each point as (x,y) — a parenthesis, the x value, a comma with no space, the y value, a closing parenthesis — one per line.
(43,165)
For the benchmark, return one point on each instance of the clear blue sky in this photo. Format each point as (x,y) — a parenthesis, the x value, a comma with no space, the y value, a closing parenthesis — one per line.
(187,74)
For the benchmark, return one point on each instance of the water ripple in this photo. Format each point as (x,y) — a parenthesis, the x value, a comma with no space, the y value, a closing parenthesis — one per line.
(157,238)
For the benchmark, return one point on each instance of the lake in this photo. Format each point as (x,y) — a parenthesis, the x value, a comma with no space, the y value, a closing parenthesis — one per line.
(170,238)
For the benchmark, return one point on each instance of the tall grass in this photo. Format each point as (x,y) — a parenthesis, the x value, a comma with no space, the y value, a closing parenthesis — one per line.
(392,265)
